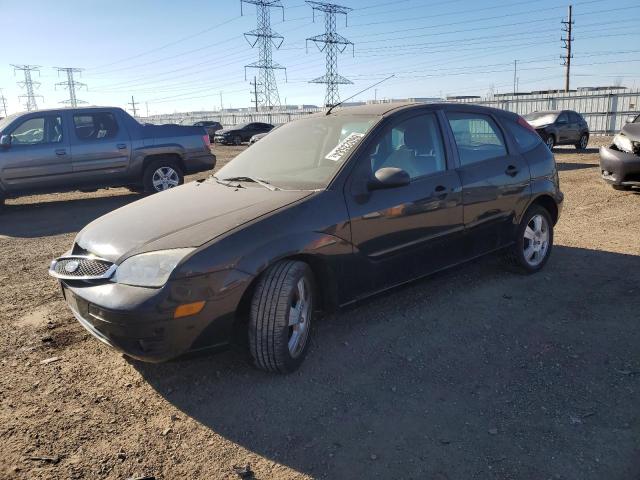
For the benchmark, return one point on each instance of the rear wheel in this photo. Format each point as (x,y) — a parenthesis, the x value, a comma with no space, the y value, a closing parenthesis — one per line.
(162,175)
(583,142)
(550,142)
(534,240)
(281,315)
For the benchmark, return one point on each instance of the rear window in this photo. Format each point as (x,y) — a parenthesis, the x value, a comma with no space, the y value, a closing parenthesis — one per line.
(526,139)
(95,126)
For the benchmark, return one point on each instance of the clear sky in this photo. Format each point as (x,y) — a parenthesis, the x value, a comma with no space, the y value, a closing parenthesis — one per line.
(179,55)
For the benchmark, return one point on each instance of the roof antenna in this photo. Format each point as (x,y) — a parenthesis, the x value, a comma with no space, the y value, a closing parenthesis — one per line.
(361,91)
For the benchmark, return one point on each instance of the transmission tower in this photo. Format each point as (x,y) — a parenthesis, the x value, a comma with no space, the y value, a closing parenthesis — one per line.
(29,85)
(71,85)
(567,27)
(3,100)
(265,38)
(331,43)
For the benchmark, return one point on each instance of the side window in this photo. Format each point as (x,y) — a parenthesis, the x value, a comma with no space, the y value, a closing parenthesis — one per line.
(477,136)
(95,126)
(414,145)
(38,130)
(563,118)
(525,138)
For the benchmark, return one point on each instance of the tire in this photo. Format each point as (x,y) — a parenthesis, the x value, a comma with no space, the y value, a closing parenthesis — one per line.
(622,188)
(550,141)
(522,254)
(583,142)
(237,140)
(275,301)
(156,171)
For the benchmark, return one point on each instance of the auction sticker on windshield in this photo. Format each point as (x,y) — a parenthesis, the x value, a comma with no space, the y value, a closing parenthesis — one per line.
(344,146)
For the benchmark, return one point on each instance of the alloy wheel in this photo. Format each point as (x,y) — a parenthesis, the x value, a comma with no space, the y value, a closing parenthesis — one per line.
(165,178)
(584,140)
(299,317)
(550,142)
(536,240)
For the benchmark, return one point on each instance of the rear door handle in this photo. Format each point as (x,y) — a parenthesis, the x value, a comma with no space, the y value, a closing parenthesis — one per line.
(512,170)
(61,151)
(122,146)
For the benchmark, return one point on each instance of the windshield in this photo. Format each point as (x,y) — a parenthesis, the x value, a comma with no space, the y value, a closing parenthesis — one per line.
(301,155)
(538,119)
(6,121)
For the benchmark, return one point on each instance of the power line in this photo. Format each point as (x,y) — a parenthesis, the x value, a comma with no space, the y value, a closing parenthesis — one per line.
(29,85)
(265,38)
(332,44)
(71,85)
(568,40)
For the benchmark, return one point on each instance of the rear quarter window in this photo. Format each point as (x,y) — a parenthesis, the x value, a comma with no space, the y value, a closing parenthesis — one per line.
(526,139)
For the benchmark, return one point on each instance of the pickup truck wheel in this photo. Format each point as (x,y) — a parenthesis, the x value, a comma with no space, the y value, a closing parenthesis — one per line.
(162,175)
(583,142)
(534,240)
(281,315)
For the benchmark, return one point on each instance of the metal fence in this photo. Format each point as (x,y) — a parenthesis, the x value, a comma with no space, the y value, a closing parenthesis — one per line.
(604,111)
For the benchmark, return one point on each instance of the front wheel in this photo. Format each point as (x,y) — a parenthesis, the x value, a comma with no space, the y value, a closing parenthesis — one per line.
(550,142)
(280,316)
(534,240)
(237,140)
(583,142)
(162,175)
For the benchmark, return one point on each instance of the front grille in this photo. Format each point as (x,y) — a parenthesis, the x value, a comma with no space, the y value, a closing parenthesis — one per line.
(81,268)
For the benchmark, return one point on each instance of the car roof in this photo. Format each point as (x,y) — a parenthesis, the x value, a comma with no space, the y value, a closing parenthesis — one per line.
(391,108)
(65,109)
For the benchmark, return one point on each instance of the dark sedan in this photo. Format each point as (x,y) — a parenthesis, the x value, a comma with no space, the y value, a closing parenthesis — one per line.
(321,213)
(620,162)
(241,133)
(560,127)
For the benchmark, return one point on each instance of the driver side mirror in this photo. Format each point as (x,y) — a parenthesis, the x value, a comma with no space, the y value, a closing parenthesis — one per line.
(5,141)
(389,177)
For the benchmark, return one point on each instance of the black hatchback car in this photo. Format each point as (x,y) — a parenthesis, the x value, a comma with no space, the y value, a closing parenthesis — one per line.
(241,133)
(322,212)
(560,127)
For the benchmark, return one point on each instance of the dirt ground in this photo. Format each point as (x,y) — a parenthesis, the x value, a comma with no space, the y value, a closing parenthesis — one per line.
(476,373)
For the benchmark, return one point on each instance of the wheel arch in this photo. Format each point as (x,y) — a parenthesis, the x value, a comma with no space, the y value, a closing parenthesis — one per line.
(547,202)
(174,156)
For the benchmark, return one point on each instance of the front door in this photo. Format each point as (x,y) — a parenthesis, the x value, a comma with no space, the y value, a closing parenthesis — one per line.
(494,180)
(38,158)
(404,232)
(101,147)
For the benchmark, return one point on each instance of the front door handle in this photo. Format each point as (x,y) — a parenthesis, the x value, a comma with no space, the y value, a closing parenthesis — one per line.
(61,151)
(512,170)
(122,146)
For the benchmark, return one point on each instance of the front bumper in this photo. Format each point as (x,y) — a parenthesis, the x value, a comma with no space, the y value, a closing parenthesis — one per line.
(619,168)
(139,321)
(222,139)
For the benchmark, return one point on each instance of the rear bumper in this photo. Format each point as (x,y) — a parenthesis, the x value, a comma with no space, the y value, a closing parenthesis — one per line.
(619,168)
(139,321)
(200,163)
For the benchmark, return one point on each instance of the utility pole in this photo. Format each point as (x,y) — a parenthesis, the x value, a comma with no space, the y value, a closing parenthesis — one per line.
(71,85)
(146,105)
(332,44)
(265,38)
(568,40)
(4,102)
(221,106)
(515,76)
(29,85)
(133,106)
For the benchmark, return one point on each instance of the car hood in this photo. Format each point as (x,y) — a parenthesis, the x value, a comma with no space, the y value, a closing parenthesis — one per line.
(186,216)
(227,130)
(632,131)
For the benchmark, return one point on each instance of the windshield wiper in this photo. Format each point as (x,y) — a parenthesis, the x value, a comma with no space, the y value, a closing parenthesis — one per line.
(259,181)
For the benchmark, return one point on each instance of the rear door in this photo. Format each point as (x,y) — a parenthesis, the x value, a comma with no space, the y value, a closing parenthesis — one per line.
(495,179)
(39,156)
(565,132)
(575,127)
(101,146)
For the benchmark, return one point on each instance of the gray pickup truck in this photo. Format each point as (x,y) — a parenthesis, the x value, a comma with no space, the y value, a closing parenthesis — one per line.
(89,148)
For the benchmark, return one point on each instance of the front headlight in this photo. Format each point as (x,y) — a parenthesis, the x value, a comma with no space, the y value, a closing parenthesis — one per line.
(623,143)
(149,269)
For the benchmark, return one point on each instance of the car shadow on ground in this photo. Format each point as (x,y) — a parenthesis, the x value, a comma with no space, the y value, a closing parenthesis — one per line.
(565,166)
(32,220)
(472,373)
(572,150)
